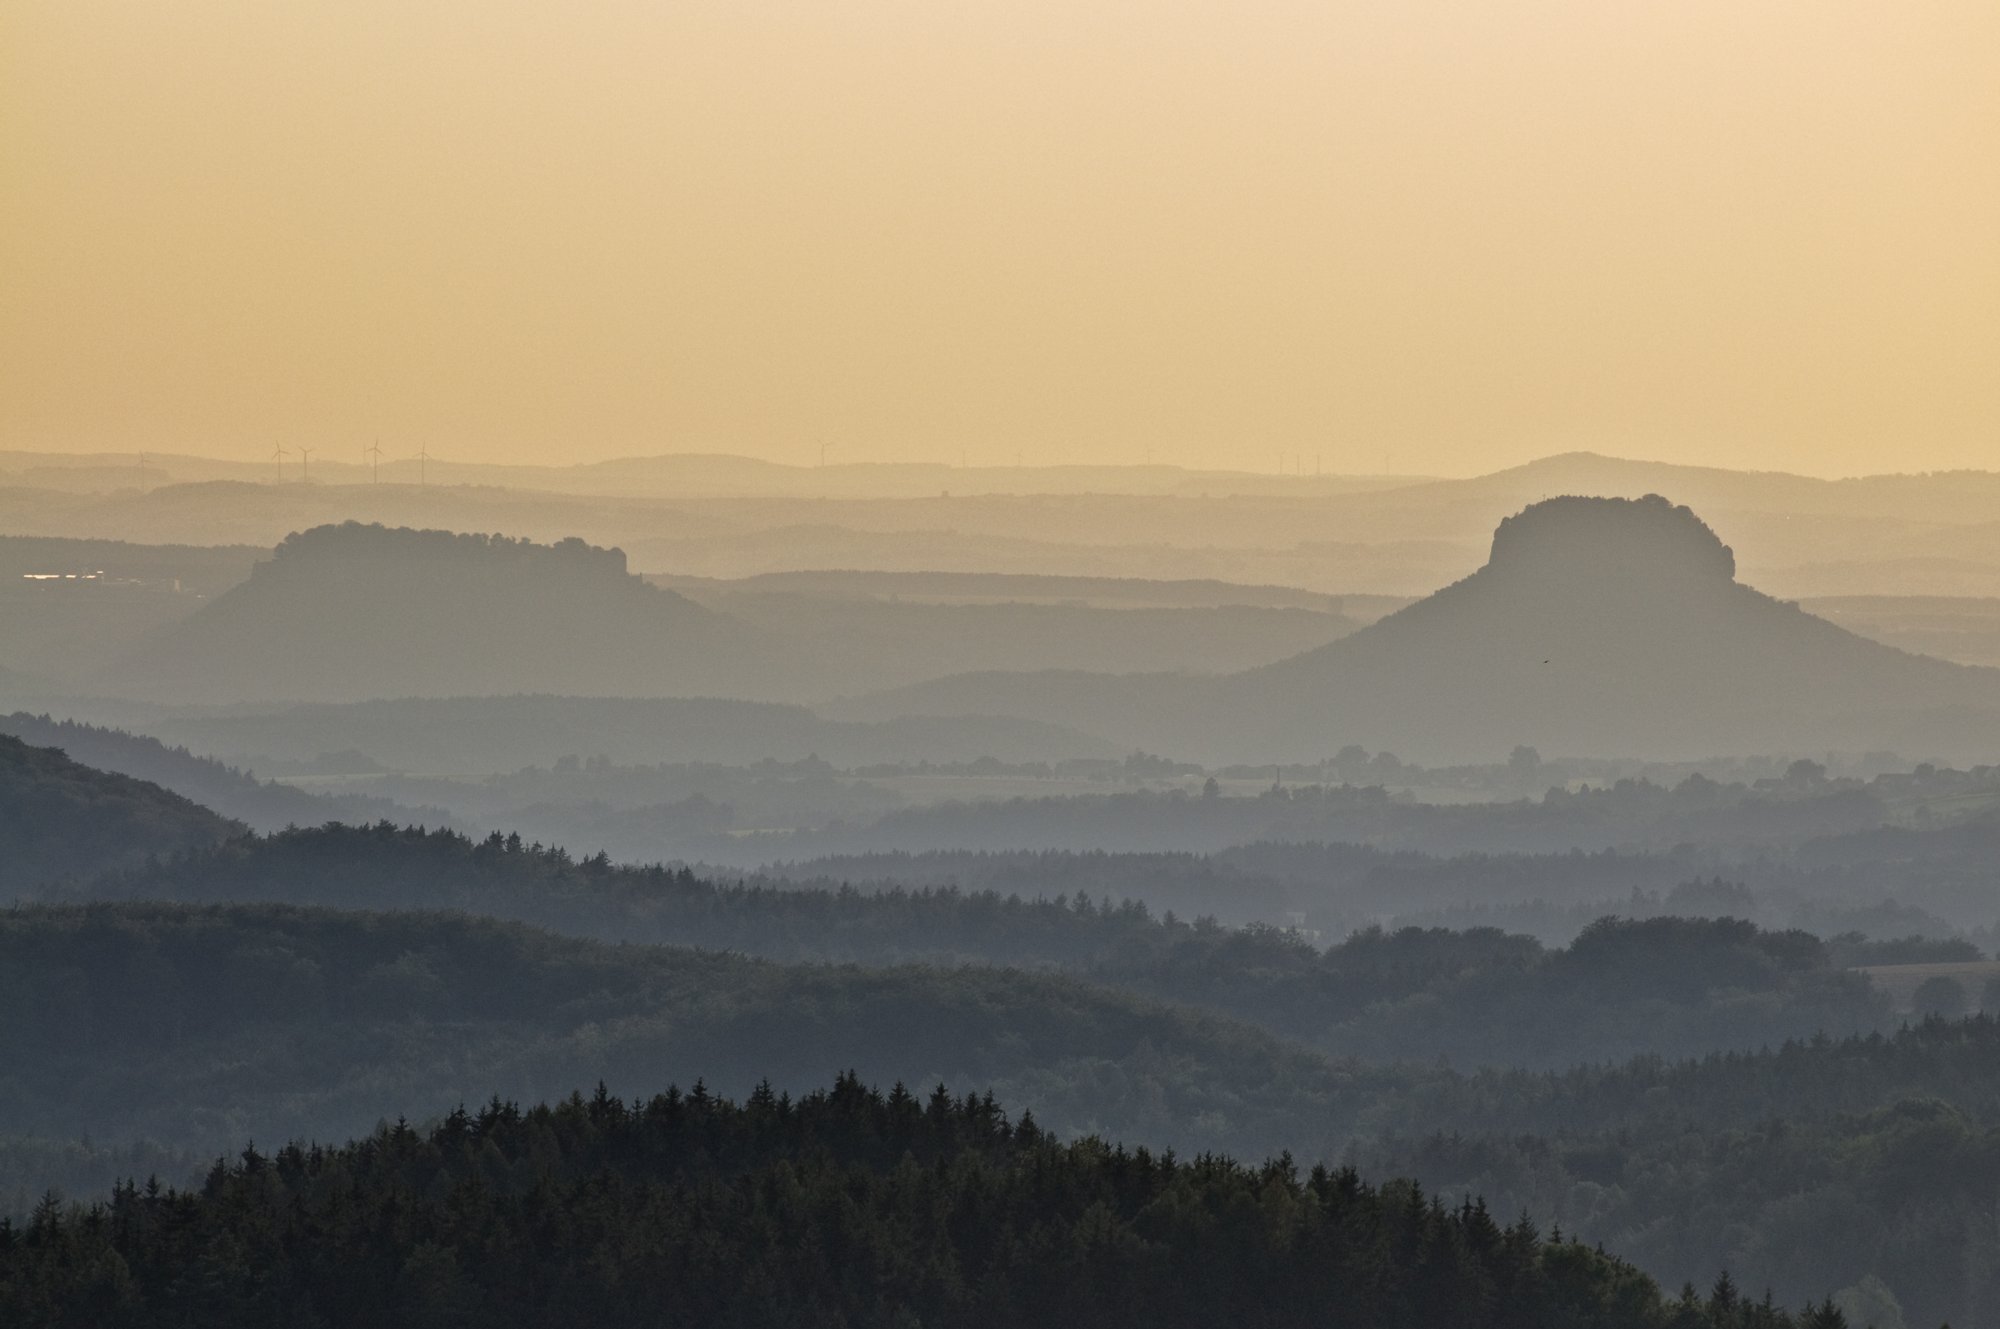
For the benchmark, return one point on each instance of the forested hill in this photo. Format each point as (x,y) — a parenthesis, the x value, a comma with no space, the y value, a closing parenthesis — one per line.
(844,1208)
(1671,986)
(350,612)
(263,805)
(199,1026)
(140,1021)
(63,820)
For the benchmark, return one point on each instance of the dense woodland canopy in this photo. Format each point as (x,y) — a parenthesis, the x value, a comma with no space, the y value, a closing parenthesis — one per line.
(846,1207)
(60,820)
(202,1027)
(1663,985)
(169,1031)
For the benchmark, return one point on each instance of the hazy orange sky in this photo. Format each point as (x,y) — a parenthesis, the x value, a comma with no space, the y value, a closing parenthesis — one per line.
(1446,233)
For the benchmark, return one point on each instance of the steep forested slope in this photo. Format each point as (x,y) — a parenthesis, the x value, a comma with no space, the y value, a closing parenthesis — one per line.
(263,805)
(60,819)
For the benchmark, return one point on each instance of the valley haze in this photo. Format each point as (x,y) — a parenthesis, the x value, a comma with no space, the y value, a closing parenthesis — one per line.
(881,666)
(1251,838)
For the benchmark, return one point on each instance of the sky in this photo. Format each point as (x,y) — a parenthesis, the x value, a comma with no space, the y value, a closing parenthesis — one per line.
(1435,236)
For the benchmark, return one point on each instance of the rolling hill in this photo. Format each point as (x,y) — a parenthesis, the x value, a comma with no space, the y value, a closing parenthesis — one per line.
(59,819)
(197,1026)
(848,1207)
(201,1028)
(1601,626)
(350,612)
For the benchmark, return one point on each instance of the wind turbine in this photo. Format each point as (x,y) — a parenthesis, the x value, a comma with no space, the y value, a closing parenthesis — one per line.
(373,453)
(279,458)
(305,464)
(423,465)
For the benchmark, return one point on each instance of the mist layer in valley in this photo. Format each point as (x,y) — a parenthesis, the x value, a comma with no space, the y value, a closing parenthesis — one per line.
(1514,841)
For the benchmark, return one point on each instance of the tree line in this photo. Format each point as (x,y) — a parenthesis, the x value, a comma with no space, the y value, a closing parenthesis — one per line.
(1667,985)
(846,1207)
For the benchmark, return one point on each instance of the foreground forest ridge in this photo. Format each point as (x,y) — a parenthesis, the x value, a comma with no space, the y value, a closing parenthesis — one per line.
(310,1017)
(848,1206)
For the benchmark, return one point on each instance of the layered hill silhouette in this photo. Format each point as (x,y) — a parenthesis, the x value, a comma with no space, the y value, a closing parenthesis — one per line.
(1599,626)
(262,805)
(61,820)
(351,612)
(195,1025)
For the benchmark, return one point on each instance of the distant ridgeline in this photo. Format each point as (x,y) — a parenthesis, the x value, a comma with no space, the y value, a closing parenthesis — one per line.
(1598,626)
(848,1207)
(1668,986)
(373,543)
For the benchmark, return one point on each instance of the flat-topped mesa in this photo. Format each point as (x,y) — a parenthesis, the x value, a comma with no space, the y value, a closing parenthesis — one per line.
(351,541)
(1609,539)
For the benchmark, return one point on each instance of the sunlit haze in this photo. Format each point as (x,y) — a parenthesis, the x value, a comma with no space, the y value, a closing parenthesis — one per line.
(894,663)
(1435,237)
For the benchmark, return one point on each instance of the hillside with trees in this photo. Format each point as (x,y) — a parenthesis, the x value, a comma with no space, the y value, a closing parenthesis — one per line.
(262,805)
(63,821)
(1668,986)
(200,1026)
(841,1207)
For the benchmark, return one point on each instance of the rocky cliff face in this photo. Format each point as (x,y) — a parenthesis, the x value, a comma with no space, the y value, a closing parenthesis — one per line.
(1634,542)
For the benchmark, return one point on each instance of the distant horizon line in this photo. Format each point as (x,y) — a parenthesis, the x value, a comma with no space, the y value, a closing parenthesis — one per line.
(137,458)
